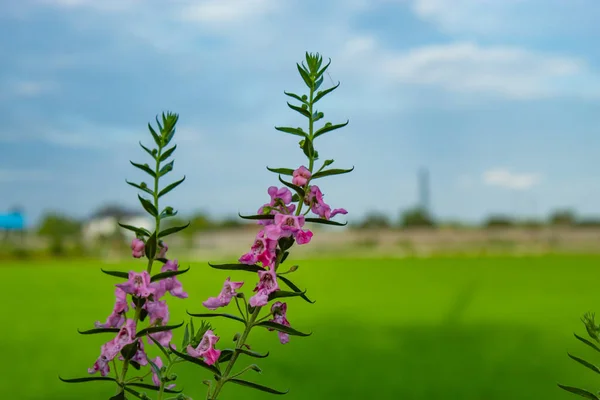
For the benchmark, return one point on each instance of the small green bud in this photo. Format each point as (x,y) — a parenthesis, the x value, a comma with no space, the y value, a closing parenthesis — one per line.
(304,106)
(143,185)
(320,115)
(154,152)
(236,337)
(293,268)
(304,97)
(169,210)
(328,124)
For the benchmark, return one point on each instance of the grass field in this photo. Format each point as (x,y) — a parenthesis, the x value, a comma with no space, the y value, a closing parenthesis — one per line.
(439,328)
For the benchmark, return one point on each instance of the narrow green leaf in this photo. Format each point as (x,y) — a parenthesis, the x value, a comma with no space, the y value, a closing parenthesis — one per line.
(160,346)
(99,330)
(168,274)
(293,131)
(154,329)
(118,274)
(148,206)
(88,379)
(144,168)
(580,392)
(167,153)
(156,137)
(151,246)
(330,172)
(170,231)
(295,288)
(585,363)
(238,267)
(129,350)
(166,168)
(256,386)
(197,361)
(281,328)
(284,293)
(305,76)
(592,345)
(170,187)
(147,150)
(324,221)
(300,110)
(323,93)
(135,393)
(139,231)
(318,83)
(282,171)
(328,128)
(210,315)
(253,217)
(296,188)
(144,189)
(152,387)
(186,336)
(322,71)
(120,396)
(308,148)
(295,96)
(225,356)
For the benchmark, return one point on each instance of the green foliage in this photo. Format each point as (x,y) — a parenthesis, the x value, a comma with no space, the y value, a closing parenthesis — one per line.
(58,226)
(416,217)
(592,329)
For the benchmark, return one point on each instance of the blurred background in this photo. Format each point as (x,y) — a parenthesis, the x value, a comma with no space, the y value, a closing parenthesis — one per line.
(471,249)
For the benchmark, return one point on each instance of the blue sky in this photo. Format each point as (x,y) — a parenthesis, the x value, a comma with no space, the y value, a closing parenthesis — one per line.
(499,99)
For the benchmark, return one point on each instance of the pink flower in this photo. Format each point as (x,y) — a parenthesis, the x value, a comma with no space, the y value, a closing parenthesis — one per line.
(303,237)
(158,312)
(224,298)
(314,199)
(155,378)
(138,284)
(137,248)
(283,194)
(266,286)
(263,251)
(301,176)
(116,318)
(286,226)
(280,202)
(279,311)
(206,348)
(112,348)
(171,285)
(163,250)
(162,337)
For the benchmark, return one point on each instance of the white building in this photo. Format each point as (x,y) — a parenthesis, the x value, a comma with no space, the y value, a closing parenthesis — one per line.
(105,223)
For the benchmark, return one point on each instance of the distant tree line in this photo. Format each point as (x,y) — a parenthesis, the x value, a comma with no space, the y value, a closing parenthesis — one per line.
(417,217)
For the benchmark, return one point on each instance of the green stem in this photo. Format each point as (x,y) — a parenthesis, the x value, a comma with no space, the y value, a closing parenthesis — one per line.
(311,161)
(240,342)
(163,383)
(138,309)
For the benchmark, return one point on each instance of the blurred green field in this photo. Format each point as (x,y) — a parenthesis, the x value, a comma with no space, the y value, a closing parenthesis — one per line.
(438,328)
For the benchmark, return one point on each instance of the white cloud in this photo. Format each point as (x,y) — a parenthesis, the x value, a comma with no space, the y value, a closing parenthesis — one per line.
(507,71)
(225,11)
(508,17)
(504,178)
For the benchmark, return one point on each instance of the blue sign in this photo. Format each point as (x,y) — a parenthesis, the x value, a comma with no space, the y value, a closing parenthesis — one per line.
(12,221)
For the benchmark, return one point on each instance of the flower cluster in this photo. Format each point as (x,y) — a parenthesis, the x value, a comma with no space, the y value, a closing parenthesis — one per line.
(149,297)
